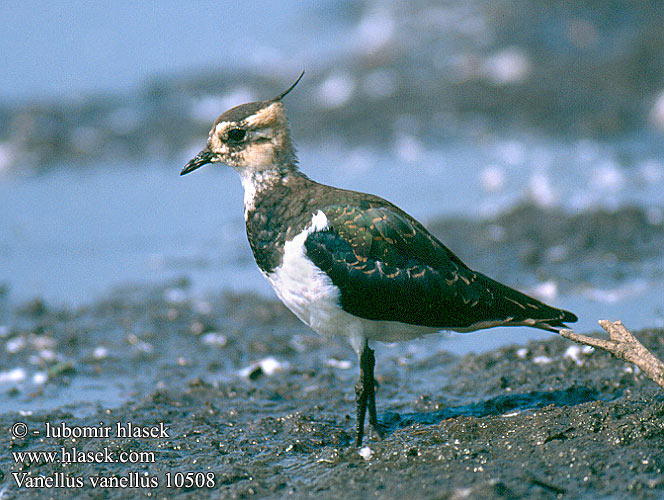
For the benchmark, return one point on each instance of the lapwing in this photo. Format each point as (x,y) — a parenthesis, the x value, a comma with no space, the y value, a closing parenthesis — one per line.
(348,263)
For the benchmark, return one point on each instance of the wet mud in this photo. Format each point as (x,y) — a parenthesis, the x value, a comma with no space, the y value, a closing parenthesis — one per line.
(247,402)
(247,393)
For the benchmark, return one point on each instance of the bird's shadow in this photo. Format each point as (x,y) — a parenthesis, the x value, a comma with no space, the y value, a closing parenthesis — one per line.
(500,405)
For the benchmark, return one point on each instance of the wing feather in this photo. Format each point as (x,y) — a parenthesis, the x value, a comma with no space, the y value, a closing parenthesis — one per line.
(389,267)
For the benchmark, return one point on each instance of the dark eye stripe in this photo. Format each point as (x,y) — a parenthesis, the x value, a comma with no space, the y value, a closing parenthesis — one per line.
(236,134)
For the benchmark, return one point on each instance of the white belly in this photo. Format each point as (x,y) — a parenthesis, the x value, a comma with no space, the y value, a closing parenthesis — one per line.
(310,294)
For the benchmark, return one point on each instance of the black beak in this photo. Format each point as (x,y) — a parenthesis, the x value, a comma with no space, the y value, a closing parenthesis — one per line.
(202,158)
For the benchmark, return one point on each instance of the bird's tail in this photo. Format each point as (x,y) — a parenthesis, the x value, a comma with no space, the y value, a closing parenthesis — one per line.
(520,309)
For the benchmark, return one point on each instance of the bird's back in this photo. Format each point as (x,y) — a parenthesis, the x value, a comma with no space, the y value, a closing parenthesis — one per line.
(386,265)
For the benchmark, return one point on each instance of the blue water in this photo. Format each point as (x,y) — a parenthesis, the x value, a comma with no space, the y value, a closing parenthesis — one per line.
(69,237)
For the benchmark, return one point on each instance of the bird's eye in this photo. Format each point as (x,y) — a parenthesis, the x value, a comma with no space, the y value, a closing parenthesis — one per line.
(236,134)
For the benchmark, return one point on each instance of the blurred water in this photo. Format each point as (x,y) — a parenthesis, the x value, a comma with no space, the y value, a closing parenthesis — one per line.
(436,106)
(70,236)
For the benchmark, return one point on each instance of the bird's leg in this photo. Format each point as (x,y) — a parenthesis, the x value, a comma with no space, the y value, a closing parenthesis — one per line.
(365,394)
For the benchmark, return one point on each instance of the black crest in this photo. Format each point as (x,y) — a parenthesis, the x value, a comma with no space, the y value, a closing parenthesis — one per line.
(285,92)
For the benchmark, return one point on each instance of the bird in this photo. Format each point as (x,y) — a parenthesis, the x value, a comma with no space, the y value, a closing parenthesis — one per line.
(351,264)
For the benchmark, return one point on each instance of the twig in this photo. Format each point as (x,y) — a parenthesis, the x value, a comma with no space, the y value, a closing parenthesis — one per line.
(623,345)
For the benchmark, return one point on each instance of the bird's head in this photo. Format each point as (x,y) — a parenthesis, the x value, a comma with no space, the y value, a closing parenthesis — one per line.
(250,137)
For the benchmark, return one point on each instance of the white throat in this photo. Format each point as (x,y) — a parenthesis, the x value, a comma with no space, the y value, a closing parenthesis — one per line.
(253,183)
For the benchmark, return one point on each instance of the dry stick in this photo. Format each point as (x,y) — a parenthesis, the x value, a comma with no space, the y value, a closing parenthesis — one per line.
(625,346)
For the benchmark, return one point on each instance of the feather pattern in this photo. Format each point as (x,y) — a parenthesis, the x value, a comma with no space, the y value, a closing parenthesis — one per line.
(388,267)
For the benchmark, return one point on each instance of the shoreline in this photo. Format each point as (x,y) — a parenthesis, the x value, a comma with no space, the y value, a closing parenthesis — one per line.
(251,396)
